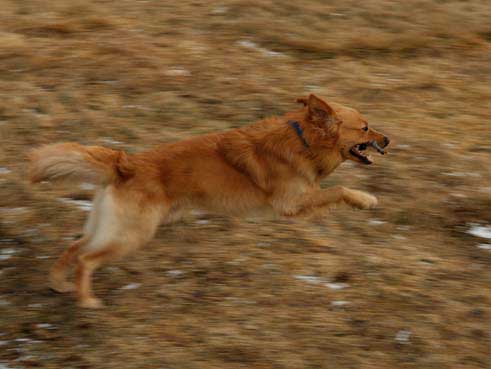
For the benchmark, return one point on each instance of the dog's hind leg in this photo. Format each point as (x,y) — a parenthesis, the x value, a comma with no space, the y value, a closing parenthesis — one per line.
(124,223)
(59,271)
(58,274)
(87,264)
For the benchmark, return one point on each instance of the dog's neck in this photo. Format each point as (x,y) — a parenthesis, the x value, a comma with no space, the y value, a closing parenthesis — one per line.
(299,131)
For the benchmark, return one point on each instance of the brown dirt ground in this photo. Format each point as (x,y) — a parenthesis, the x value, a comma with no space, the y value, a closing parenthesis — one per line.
(214,292)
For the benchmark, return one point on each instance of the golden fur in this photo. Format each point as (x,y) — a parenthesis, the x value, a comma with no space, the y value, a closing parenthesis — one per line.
(259,168)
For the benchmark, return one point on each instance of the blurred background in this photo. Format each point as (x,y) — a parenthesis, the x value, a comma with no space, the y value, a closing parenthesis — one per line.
(404,286)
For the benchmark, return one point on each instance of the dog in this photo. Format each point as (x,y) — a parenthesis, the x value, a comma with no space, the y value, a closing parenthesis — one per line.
(274,165)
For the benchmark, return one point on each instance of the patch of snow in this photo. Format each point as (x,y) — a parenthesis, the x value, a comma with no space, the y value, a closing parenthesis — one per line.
(23,340)
(248,44)
(175,273)
(337,286)
(202,221)
(177,72)
(4,170)
(43,257)
(198,212)
(108,82)
(403,336)
(318,280)
(17,210)
(141,107)
(484,246)
(462,174)
(4,366)
(219,10)
(403,228)
(403,147)
(37,305)
(131,286)
(87,186)
(376,222)
(339,303)
(7,253)
(111,141)
(312,88)
(399,237)
(81,204)
(480,231)
(309,279)
(252,45)
(45,326)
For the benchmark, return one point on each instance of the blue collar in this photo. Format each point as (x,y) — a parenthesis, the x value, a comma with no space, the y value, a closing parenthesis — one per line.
(299,131)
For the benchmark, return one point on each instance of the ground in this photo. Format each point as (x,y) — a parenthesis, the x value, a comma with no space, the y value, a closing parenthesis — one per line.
(402,286)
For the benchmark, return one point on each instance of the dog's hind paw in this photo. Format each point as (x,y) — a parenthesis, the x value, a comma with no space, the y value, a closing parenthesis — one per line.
(360,199)
(91,303)
(60,285)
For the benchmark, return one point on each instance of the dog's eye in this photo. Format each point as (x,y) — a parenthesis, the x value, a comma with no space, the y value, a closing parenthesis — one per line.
(365,128)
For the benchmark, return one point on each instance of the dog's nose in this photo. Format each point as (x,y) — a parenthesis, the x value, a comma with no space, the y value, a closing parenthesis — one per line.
(386,141)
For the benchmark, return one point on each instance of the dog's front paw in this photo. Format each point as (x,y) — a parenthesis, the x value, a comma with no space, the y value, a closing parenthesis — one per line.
(360,199)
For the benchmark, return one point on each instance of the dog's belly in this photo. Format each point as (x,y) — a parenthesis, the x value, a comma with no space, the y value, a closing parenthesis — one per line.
(237,205)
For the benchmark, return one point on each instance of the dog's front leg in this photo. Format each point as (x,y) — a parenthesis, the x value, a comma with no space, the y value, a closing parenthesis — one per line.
(324,198)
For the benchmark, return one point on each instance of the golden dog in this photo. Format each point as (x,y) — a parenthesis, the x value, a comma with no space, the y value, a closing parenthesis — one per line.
(273,165)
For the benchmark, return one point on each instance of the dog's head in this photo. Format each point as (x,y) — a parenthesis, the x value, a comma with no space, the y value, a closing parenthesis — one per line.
(346,128)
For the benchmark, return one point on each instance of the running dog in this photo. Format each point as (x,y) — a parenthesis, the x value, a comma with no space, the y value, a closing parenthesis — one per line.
(274,165)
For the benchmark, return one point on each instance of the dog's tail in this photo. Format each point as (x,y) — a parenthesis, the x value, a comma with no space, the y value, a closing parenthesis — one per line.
(77,163)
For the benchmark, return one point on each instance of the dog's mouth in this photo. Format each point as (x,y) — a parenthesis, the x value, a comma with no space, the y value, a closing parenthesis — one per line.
(357,149)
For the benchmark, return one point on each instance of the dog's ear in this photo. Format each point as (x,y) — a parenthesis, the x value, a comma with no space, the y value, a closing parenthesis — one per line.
(319,111)
(303,100)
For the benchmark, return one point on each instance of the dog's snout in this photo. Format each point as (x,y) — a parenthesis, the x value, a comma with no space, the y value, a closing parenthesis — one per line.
(386,141)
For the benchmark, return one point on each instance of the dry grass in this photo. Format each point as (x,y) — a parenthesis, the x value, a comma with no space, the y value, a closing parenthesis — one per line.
(131,74)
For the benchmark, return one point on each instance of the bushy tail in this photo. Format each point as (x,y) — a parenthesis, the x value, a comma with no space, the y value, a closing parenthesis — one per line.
(77,163)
